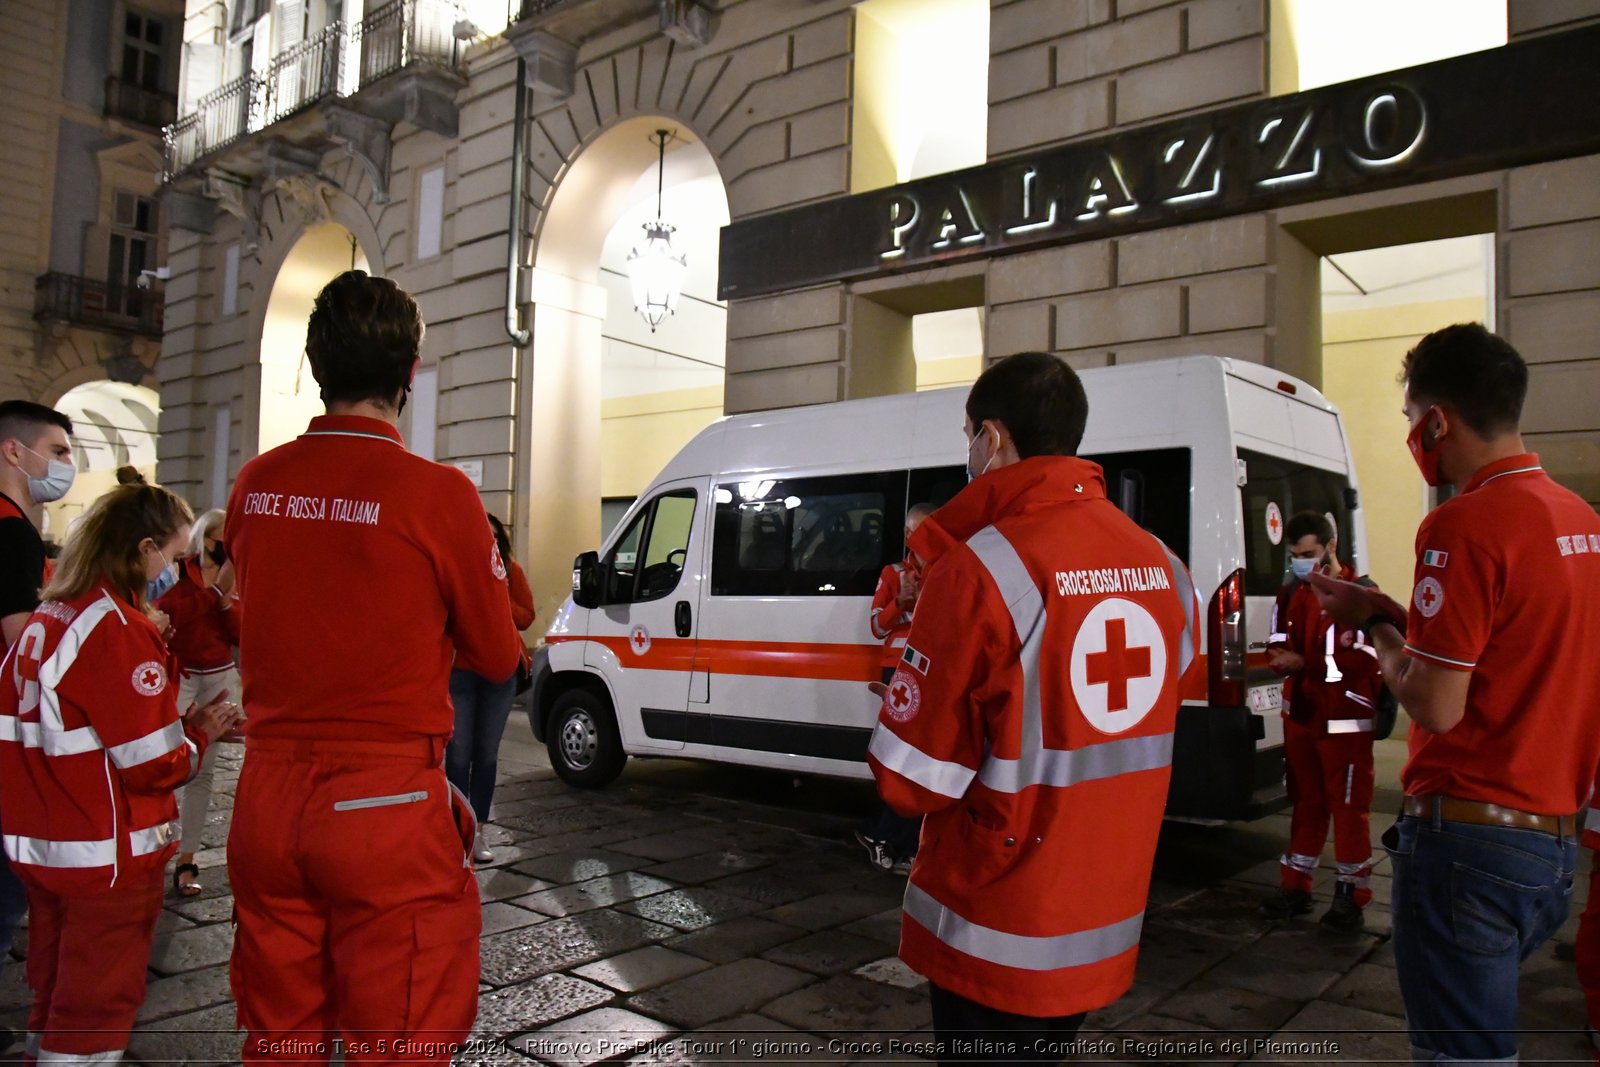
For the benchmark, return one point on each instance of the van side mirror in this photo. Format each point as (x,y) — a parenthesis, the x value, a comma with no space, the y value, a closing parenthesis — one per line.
(587,580)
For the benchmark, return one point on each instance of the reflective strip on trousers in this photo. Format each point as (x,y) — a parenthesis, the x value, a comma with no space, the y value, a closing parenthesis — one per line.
(1299,861)
(41,852)
(151,746)
(1048,953)
(1066,767)
(1349,726)
(50,742)
(46,1056)
(153,838)
(1591,821)
(909,762)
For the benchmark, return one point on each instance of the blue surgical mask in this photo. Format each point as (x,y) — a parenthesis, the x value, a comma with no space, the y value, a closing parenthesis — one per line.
(162,582)
(1302,567)
(58,476)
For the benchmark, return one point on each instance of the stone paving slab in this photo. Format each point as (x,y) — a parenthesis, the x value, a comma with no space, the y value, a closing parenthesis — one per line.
(561,943)
(735,939)
(532,1004)
(847,1004)
(594,893)
(592,1037)
(691,909)
(580,865)
(728,989)
(825,952)
(692,870)
(828,909)
(192,949)
(187,992)
(642,968)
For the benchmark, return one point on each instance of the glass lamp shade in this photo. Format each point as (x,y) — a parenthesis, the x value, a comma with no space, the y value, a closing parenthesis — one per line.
(657,273)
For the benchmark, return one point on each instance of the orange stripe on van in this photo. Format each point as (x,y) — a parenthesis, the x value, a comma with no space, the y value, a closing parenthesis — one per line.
(766,659)
(786,659)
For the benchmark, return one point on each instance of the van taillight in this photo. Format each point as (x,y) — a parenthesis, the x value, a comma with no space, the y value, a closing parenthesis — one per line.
(1225,639)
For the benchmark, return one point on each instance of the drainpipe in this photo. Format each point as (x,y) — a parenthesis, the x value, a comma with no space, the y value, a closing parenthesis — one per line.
(519,163)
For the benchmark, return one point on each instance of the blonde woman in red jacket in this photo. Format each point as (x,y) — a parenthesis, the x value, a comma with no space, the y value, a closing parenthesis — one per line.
(91,749)
(483,705)
(203,612)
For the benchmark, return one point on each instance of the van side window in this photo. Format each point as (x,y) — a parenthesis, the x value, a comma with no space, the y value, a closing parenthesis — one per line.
(1152,487)
(647,560)
(807,536)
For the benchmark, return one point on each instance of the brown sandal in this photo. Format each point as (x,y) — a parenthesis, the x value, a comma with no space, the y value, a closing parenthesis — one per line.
(187,889)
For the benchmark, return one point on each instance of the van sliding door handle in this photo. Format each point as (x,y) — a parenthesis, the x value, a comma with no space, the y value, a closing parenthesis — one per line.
(681,618)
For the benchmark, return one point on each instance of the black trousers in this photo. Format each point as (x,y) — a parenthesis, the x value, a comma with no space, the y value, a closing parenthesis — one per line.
(969,1032)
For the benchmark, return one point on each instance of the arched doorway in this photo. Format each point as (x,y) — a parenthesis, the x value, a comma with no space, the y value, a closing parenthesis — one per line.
(289,396)
(114,424)
(609,397)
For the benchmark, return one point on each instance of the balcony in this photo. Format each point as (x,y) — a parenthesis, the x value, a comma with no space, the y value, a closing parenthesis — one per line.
(147,107)
(376,64)
(68,298)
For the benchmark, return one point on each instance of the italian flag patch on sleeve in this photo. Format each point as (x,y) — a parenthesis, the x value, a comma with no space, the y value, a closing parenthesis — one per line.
(915,660)
(1434,558)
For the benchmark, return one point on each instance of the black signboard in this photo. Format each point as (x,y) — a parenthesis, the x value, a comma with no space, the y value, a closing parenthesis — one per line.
(1527,102)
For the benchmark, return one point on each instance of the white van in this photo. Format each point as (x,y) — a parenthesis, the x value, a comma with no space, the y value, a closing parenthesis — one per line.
(726,616)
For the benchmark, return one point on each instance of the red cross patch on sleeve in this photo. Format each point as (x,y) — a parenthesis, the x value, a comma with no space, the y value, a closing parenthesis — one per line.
(149,678)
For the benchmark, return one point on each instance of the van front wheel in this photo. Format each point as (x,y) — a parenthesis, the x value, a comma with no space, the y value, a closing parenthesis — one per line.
(585,748)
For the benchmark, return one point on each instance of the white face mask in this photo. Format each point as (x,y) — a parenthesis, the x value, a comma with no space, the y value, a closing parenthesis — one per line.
(1302,567)
(58,476)
(164,581)
(971,477)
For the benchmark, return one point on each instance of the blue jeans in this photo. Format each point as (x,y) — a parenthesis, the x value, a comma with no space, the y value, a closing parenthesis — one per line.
(482,708)
(1470,904)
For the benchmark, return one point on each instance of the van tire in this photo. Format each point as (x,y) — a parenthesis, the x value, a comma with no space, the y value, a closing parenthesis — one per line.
(582,739)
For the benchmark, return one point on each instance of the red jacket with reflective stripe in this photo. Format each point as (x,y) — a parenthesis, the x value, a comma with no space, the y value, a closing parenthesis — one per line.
(1341,679)
(890,624)
(1052,636)
(91,745)
(205,624)
(365,572)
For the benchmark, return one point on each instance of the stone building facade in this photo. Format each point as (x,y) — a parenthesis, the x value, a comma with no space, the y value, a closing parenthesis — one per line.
(767,87)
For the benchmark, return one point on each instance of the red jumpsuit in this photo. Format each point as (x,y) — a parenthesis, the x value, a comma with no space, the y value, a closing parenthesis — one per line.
(1588,947)
(1328,710)
(91,750)
(1034,727)
(361,566)
(891,624)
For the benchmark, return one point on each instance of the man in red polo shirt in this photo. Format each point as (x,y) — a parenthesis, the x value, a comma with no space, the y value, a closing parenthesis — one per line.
(1498,671)
(364,571)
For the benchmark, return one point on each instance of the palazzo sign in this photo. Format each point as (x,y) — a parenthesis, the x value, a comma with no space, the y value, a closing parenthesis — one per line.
(1525,103)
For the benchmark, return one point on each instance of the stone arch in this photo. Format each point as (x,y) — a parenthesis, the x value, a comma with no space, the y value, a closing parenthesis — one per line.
(64,383)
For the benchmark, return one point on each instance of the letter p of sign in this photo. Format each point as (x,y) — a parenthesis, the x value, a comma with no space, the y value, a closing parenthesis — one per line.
(902,215)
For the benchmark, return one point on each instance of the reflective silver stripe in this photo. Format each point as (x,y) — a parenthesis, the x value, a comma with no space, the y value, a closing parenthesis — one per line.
(1049,953)
(151,746)
(44,853)
(880,632)
(52,670)
(1026,606)
(1591,821)
(194,760)
(46,1056)
(905,759)
(31,1044)
(380,802)
(1277,639)
(1358,698)
(1349,726)
(51,742)
(153,838)
(1415,651)
(1064,767)
(1183,585)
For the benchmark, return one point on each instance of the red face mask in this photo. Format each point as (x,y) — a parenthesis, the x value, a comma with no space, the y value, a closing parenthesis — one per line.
(1427,460)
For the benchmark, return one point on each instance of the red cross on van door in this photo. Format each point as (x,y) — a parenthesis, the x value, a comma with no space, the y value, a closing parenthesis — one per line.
(1119,665)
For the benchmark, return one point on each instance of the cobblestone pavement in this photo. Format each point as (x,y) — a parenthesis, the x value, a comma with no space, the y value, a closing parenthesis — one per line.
(696,915)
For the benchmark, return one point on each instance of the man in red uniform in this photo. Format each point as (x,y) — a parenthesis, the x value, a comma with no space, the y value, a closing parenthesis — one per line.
(360,567)
(35,468)
(1498,672)
(891,839)
(1032,722)
(1330,696)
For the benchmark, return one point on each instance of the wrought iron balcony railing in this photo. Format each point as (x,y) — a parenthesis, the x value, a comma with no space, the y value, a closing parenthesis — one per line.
(90,302)
(147,107)
(339,61)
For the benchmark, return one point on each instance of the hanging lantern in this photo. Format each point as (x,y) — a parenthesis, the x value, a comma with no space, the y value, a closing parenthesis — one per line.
(655,270)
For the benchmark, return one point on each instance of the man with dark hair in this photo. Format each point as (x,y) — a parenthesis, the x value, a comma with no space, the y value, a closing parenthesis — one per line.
(1495,663)
(1331,692)
(35,468)
(350,856)
(1031,720)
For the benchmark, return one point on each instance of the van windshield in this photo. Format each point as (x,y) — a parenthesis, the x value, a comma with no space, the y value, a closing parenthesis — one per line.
(1274,491)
